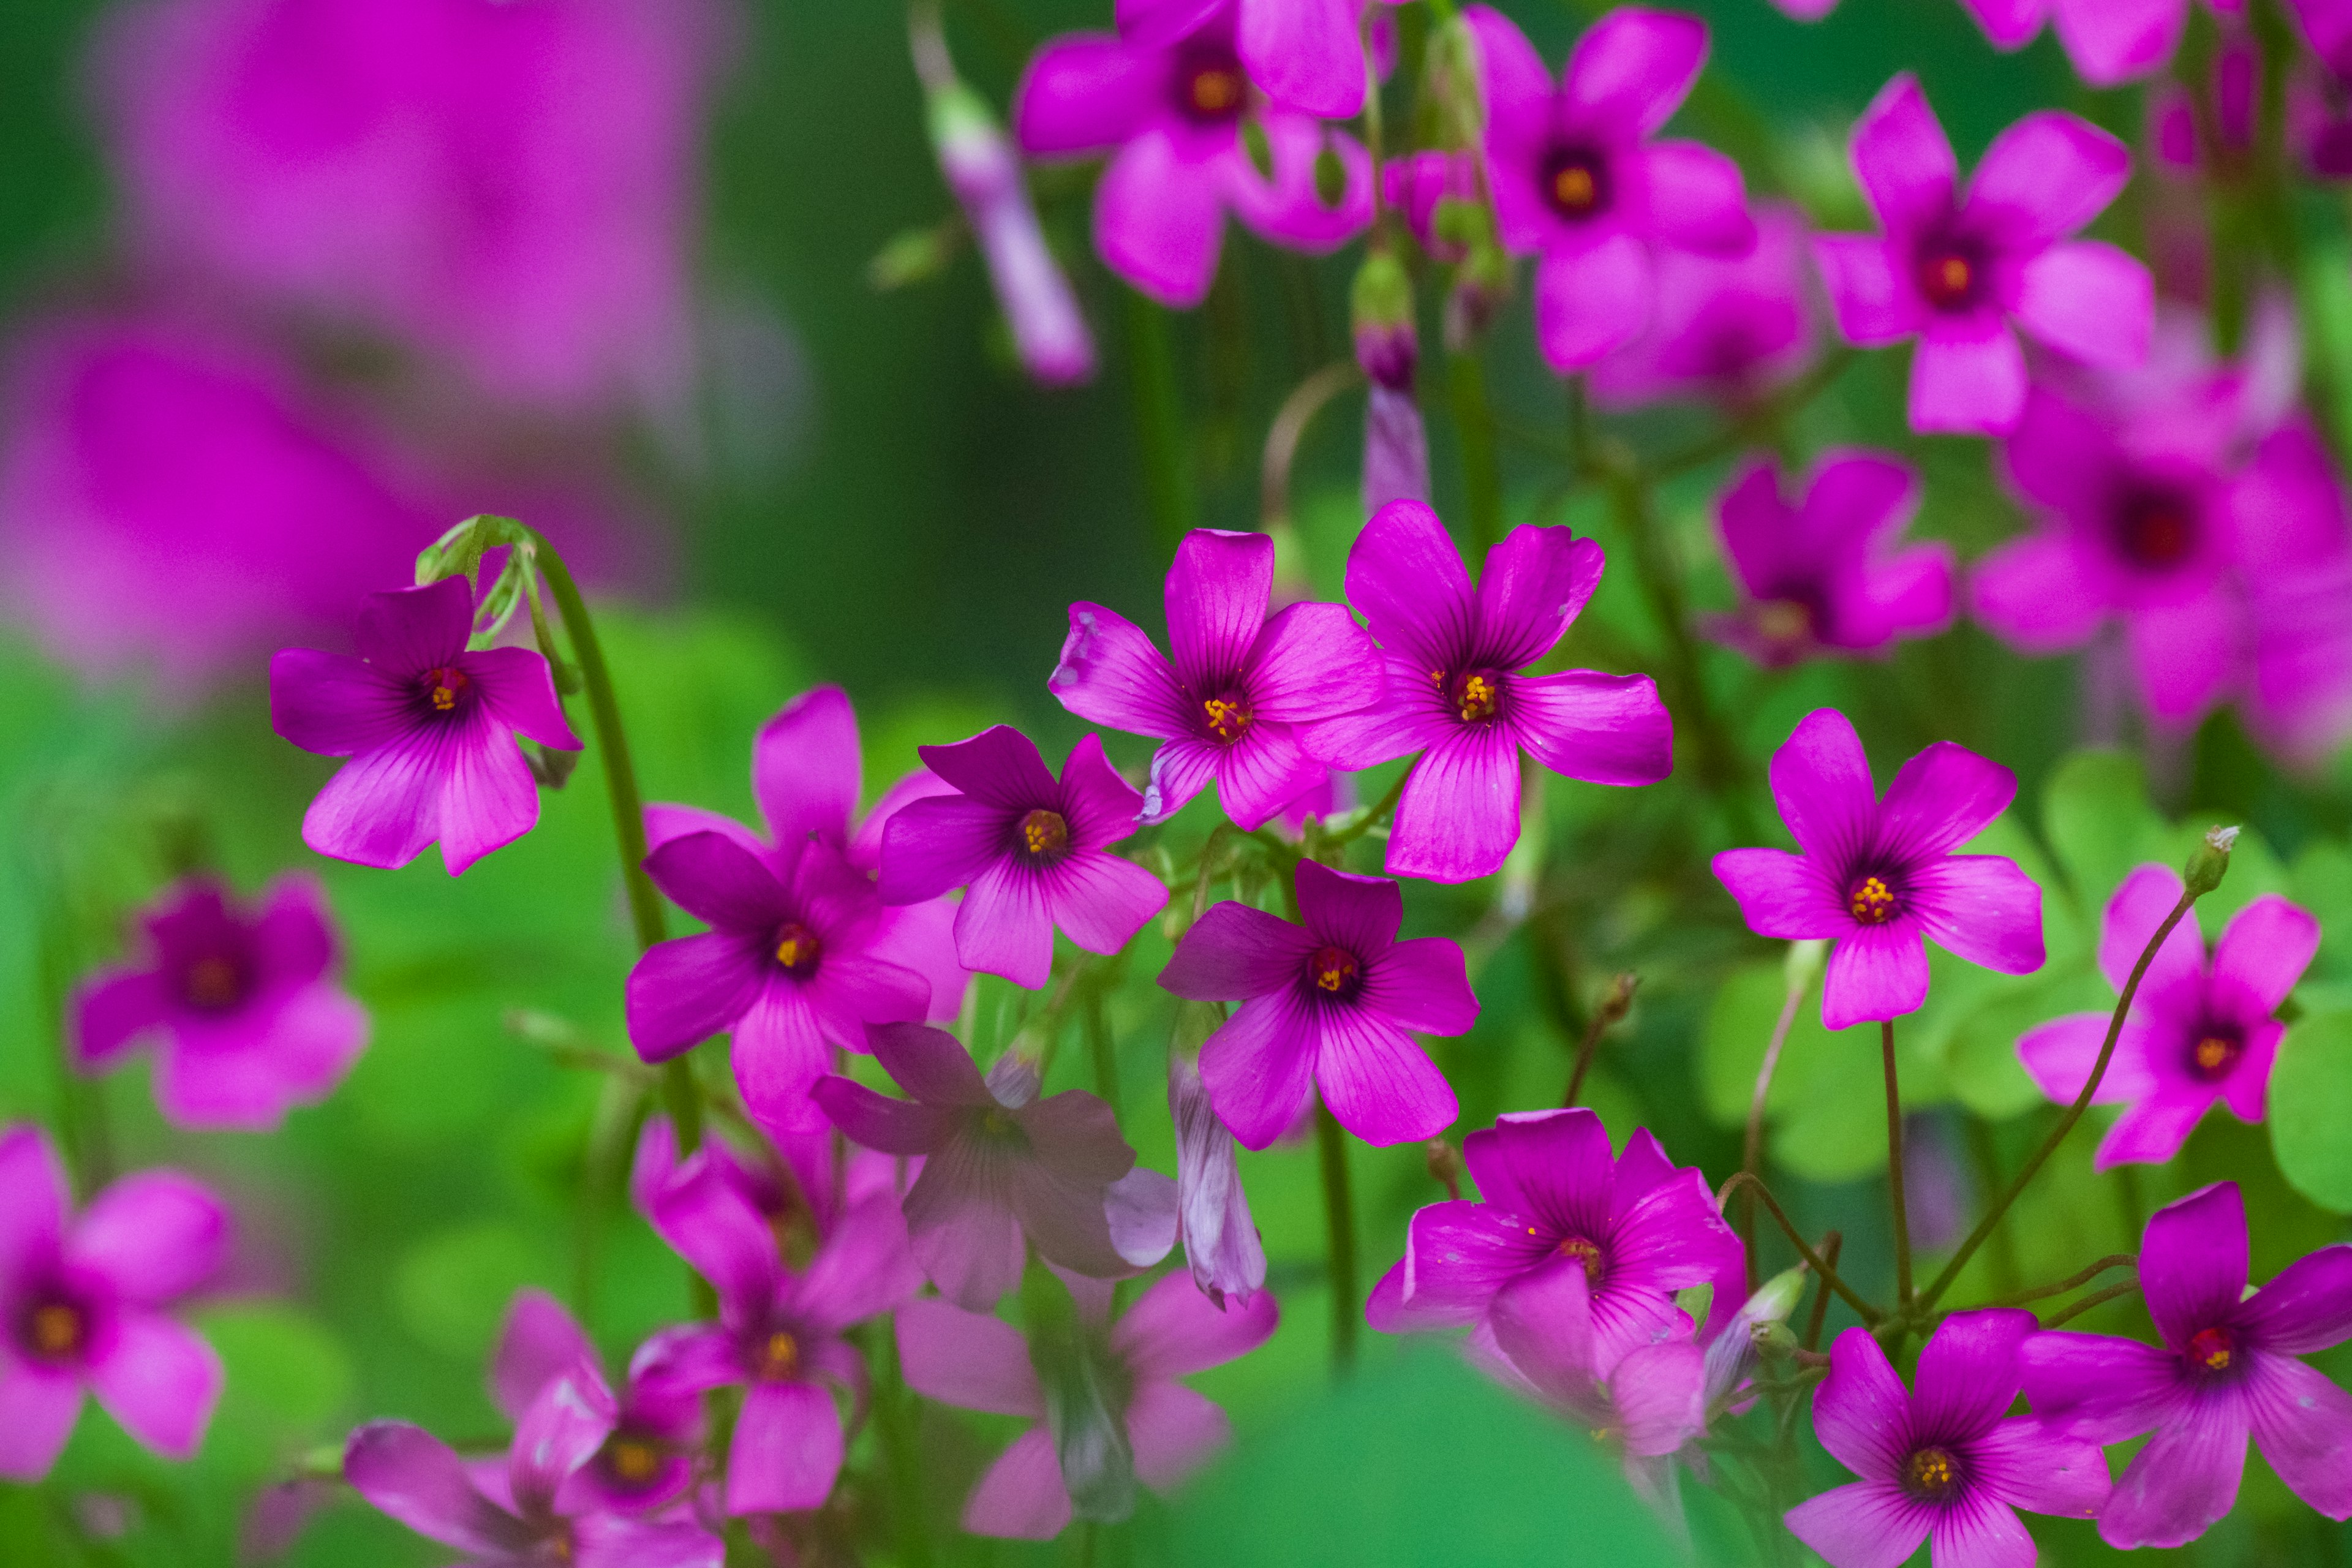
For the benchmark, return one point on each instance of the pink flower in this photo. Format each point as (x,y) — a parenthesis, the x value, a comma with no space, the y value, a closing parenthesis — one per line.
(977,1362)
(242,1007)
(2198,1034)
(1304,54)
(429,726)
(81,1306)
(1577,178)
(1879,876)
(1419,183)
(1952,271)
(1169,97)
(646,1460)
(1825,575)
(2230,1365)
(2110,41)
(511,188)
(1326,1004)
(1728,328)
(1248,693)
(1457,695)
(1944,1463)
(1031,853)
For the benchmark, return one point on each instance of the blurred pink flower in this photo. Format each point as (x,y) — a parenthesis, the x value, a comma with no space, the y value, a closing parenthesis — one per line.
(511,187)
(1729,328)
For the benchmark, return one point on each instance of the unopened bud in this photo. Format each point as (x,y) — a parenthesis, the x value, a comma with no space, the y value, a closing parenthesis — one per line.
(1444,1166)
(1803,965)
(1773,1341)
(1618,1000)
(1482,285)
(1380,309)
(2210,862)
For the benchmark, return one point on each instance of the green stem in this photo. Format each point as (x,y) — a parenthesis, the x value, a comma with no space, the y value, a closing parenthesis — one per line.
(2081,1278)
(1473,426)
(1339,1217)
(2033,1166)
(1814,1260)
(2097,1299)
(1832,1245)
(901,1456)
(1159,419)
(1894,1168)
(1102,1046)
(1752,1149)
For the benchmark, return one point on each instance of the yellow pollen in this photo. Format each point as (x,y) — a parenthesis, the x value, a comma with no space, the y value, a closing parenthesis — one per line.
(1333,967)
(1578,1248)
(1227,718)
(1784,620)
(443,687)
(796,946)
(56,1330)
(1046,832)
(212,982)
(634,1460)
(2212,1051)
(2210,1349)
(781,1358)
(1216,90)
(1477,697)
(562,1546)
(1931,1472)
(1572,187)
(1872,902)
(1952,273)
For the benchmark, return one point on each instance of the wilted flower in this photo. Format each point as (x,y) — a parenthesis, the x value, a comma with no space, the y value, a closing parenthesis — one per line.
(1953,271)
(1212,1213)
(429,727)
(81,1306)
(1879,876)
(242,1007)
(1247,696)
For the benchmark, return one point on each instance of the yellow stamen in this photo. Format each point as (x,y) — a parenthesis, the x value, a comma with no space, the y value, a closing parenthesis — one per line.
(1333,968)
(1872,903)
(56,1330)
(781,1358)
(1572,187)
(1046,832)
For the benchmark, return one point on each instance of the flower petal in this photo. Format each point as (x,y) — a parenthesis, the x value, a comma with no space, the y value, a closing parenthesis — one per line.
(1942,797)
(1100,901)
(1458,1256)
(538,1342)
(2113,41)
(2192,1262)
(969,1360)
(1459,814)
(1968,377)
(1534,584)
(1591,302)
(2091,300)
(1259,1066)
(1602,729)
(1306,54)
(383,807)
(160,1380)
(1873,301)
(2265,948)
(1861,1413)
(1696,199)
(419,1480)
(1160,219)
(1110,674)
(1869,1524)
(519,691)
(1783,894)
(2059,1055)
(870,1121)
(334,705)
(2303,1424)
(489,798)
(1005,925)
(787,1449)
(689,988)
(1311,662)
(1234,951)
(1821,782)
(1082,92)
(2045,176)
(2308,1307)
(2098,1387)
(1979,1531)
(1174,1330)
(1903,158)
(154,1236)
(1406,577)
(1981,908)
(1874,973)
(960,1224)
(2185,1479)
(1968,1374)
(1174,1431)
(1379,1084)
(1424,985)
(2132,915)
(807,768)
(1632,69)
(1021,1497)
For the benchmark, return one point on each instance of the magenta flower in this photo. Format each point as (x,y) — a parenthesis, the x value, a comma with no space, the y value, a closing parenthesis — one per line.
(513,189)
(1418,183)
(647,1459)
(1032,853)
(1942,1463)
(779,1333)
(1304,54)
(1456,693)
(1577,178)
(1326,1004)
(1630,1231)
(1826,575)
(2110,41)
(1168,97)
(81,1306)
(1248,693)
(2295,547)
(429,727)
(1728,328)
(977,1362)
(1003,1170)
(1954,271)
(1879,877)
(2228,1368)
(529,1513)
(1212,1213)
(242,1007)
(2198,1034)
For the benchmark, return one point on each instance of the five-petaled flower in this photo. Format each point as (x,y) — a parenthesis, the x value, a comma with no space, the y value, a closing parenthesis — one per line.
(2227,1366)
(1879,877)
(429,726)
(1241,702)
(1457,695)
(2197,1034)
(1952,271)
(647,1458)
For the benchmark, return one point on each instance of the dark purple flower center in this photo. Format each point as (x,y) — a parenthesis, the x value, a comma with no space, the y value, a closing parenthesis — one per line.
(1227,716)
(1575,182)
(1334,972)
(2215,1052)
(1210,87)
(1931,1474)
(2155,529)
(779,1358)
(1871,901)
(53,1328)
(1951,274)
(1043,838)
(215,982)
(797,950)
(1476,695)
(446,690)
(633,1460)
(2212,1350)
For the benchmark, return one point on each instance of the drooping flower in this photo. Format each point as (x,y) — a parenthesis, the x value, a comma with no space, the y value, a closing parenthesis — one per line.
(1954,271)
(1325,1006)
(2198,1034)
(1456,695)
(2229,1367)
(1728,328)
(1212,1213)
(779,1333)
(242,1007)
(1944,1463)
(647,1458)
(1633,1229)
(1826,575)
(511,189)
(978,1362)
(982,170)
(82,1306)
(1031,853)
(529,1513)
(1578,179)
(429,727)
(1879,876)
(1247,694)
(1180,98)
(1003,1170)
(2110,41)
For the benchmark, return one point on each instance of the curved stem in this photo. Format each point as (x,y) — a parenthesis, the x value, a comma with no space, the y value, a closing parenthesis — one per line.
(1289,427)
(1752,1158)
(1814,1260)
(1614,1006)
(1902,1213)
(1380,812)
(2097,1299)
(1994,1216)
(1833,1244)
(1339,1219)
(2041,1292)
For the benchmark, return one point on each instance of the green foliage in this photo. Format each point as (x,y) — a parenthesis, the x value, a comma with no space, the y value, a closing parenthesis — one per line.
(2311,1109)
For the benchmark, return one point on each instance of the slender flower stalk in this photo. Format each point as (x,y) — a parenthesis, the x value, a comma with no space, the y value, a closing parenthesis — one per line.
(1901,1215)
(1339,1233)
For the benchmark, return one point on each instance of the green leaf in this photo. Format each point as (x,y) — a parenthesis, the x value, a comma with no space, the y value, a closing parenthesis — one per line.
(2100,823)
(2310,1107)
(453,1287)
